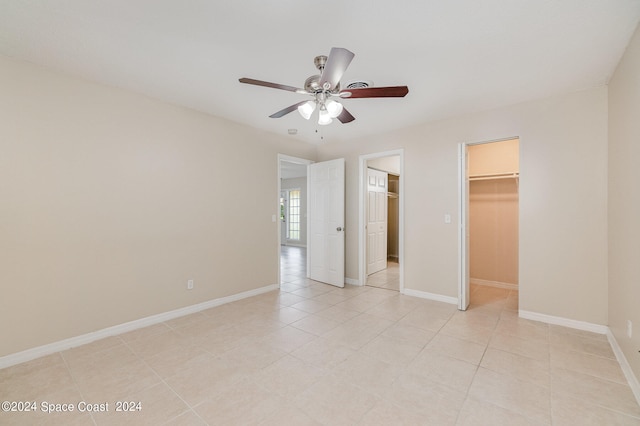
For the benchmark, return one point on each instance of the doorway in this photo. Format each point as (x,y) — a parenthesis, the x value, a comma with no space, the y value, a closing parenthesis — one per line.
(489,217)
(381,220)
(292,217)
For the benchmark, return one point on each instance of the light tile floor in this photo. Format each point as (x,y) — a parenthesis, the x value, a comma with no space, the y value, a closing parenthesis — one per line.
(313,354)
(387,278)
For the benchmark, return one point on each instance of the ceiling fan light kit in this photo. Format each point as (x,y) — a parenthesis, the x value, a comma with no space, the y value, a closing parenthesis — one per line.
(306,109)
(334,108)
(323,116)
(326,85)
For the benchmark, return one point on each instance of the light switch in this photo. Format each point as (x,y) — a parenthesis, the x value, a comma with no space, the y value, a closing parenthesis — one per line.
(447,218)
(273,218)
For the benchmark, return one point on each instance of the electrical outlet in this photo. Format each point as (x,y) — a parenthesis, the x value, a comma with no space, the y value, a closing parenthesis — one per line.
(190,285)
(629,329)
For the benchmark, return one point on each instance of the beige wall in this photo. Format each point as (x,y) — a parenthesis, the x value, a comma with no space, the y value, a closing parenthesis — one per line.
(111,201)
(624,202)
(563,193)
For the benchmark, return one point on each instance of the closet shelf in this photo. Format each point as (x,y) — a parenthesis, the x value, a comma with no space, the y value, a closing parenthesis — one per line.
(513,175)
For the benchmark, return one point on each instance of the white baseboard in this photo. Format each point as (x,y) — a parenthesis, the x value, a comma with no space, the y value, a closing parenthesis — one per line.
(430,296)
(351,281)
(62,345)
(634,384)
(498,284)
(565,322)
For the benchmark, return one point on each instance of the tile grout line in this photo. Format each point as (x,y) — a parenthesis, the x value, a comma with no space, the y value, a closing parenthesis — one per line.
(75,384)
(190,408)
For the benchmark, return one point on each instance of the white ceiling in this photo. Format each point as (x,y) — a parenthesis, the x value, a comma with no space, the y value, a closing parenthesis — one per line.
(456,56)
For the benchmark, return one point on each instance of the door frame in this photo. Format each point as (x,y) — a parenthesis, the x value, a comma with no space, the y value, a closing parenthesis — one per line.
(362,214)
(463,224)
(464,265)
(280,159)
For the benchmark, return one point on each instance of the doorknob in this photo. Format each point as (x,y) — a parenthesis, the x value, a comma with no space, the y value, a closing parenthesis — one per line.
(339,228)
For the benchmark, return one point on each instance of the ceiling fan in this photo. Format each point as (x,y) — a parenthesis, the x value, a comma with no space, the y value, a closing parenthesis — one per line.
(325,86)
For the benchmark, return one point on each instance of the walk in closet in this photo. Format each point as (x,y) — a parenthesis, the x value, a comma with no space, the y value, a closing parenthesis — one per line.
(494,177)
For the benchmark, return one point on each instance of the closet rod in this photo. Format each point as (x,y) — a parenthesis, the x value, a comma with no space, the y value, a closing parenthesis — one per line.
(495,176)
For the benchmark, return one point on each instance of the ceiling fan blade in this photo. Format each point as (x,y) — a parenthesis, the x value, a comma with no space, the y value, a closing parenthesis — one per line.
(345,116)
(272,85)
(376,92)
(337,63)
(287,110)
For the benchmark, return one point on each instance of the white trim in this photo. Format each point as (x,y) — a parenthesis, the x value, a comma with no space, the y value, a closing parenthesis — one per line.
(463,249)
(351,281)
(565,322)
(430,296)
(497,284)
(634,384)
(61,345)
(362,235)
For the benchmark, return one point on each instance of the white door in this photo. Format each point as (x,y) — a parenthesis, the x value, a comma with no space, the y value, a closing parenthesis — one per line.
(325,215)
(463,233)
(377,208)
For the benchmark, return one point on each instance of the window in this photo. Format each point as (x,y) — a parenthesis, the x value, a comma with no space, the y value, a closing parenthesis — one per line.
(293,230)
(283,201)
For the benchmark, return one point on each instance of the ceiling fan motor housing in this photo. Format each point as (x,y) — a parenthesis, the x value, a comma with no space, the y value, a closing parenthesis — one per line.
(312,85)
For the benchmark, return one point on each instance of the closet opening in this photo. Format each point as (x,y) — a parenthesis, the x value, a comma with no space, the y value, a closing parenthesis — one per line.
(491,218)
